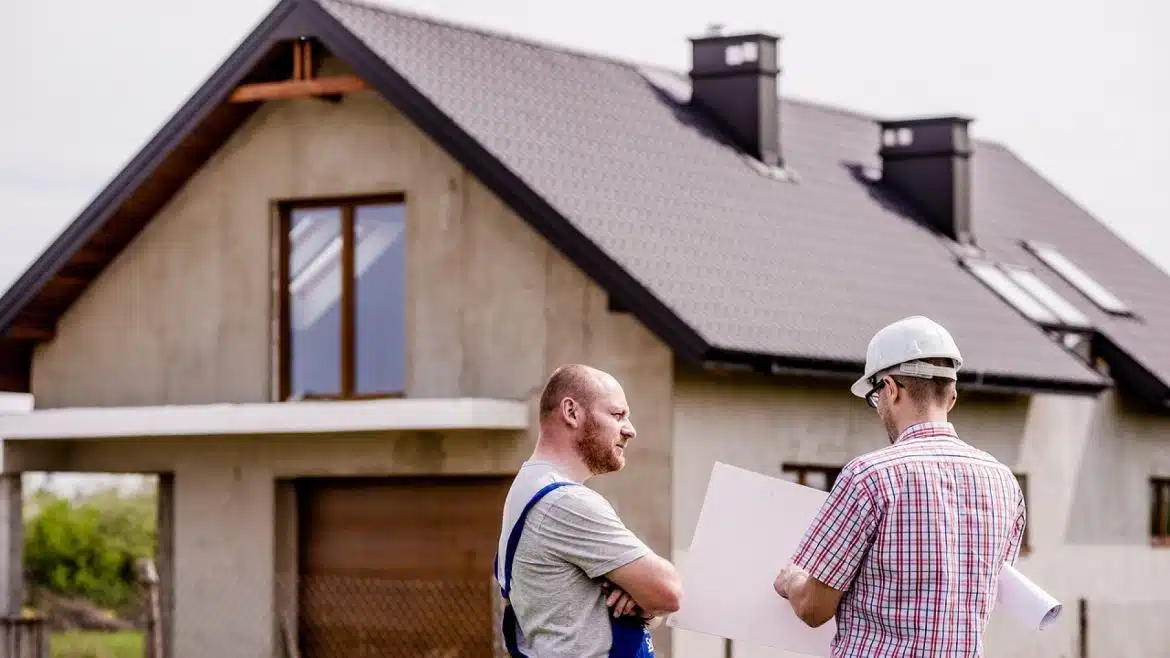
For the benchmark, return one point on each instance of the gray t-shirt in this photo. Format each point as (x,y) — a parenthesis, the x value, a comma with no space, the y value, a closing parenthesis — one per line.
(570,537)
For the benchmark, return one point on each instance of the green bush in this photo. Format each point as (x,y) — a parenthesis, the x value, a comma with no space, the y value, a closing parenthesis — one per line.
(88,548)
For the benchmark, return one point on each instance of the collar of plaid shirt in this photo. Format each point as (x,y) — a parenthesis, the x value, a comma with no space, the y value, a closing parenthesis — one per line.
(927,429)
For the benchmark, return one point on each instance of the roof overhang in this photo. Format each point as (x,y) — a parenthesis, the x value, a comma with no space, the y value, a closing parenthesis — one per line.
(970,379)
(1135,378)
(280,418)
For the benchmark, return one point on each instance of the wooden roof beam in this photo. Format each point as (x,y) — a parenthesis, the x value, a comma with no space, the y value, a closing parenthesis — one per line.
(286,89)
(15,366)
(304,83)
(31,326)
(30,332)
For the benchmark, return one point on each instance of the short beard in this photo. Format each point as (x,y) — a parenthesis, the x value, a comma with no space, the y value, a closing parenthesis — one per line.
(597,455)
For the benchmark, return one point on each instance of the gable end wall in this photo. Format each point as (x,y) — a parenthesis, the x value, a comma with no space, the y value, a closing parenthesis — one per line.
(185,314)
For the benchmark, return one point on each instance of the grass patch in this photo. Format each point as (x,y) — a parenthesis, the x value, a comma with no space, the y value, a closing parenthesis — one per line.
(97,644)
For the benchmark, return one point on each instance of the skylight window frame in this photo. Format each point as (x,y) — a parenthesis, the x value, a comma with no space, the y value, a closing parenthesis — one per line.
(1004,286)
(1079,279)
(1070,317)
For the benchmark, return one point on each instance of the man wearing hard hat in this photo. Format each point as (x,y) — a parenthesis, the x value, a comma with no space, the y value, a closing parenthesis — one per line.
(906,550)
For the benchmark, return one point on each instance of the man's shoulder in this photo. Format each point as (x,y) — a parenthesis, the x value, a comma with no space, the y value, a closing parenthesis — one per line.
(578,498)
(567,495)
(875,462)
(536,476)
(868,464)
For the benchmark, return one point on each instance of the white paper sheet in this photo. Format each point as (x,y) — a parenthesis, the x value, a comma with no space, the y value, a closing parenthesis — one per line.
(1025,601)
(747,530)
(734,557)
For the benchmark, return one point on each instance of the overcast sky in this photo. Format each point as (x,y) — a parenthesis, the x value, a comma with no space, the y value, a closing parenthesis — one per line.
(1079,88)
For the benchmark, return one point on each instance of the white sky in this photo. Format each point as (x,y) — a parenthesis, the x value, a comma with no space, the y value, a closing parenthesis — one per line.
(1080,88)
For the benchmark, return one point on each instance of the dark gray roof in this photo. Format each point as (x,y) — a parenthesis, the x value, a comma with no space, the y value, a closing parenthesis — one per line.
(607,160)
(1016,203)
(808,269)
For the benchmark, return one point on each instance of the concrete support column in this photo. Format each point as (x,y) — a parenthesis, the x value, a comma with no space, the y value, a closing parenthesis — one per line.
(11,550)
(11,545)
(165,561)
(286,559)
(223,559)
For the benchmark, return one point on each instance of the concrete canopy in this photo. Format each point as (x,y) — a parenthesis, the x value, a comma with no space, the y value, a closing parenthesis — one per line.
(306,417)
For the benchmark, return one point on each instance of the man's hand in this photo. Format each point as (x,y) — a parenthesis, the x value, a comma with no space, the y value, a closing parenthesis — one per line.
(784,580)
(813,601)
(621,602)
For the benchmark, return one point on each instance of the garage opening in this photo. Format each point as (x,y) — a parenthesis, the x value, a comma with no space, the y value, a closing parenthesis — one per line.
(397,566)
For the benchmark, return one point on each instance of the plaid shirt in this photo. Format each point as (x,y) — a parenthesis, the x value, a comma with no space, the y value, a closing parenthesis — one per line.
(915,534)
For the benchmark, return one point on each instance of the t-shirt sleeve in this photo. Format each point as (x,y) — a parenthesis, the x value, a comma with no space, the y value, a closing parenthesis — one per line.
(582,528)
(841,533)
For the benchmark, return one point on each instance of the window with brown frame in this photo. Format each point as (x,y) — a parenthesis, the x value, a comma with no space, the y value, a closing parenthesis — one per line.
(817,477)
(1025,542)
(343,298)
(1160,511)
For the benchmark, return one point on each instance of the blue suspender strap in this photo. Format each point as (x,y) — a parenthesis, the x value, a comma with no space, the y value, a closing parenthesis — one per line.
(518,529)
(510,624)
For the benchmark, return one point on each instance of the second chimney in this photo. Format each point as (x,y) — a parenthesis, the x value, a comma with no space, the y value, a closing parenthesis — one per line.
(733,79)
(928,162)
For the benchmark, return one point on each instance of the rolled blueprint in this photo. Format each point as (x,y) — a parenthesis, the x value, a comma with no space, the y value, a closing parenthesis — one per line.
(1025,601)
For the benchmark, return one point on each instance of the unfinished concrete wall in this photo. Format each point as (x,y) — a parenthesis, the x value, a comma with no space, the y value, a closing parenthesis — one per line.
(184,316)
(1127,446)
(1074,489)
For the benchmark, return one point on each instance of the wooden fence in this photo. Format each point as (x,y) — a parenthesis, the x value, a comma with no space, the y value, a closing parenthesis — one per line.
(24,637)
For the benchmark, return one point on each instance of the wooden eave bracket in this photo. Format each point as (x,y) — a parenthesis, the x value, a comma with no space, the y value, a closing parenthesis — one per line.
(302,85)
(28,332)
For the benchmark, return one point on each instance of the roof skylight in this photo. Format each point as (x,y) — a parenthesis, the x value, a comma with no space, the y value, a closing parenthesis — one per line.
(1028,294)
(1078,278)
(1069,315)
(998,280)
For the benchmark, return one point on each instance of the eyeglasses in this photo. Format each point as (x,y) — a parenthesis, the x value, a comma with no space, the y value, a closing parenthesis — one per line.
(871,398)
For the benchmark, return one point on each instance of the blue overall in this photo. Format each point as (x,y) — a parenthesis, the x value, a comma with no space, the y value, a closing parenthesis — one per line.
(631,639)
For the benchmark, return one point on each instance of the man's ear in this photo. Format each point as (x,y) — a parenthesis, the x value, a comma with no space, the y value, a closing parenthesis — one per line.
(570,412)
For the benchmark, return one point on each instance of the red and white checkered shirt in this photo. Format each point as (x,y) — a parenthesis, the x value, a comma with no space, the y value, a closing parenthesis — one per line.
(915,534)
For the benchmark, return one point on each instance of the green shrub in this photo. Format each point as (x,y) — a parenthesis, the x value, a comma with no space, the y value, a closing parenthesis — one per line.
(88,548)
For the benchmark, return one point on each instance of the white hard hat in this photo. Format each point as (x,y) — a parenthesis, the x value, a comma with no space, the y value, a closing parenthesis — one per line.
(904,342)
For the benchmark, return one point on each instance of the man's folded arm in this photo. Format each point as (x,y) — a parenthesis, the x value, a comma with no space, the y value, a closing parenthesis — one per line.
(583,529)
(652,581)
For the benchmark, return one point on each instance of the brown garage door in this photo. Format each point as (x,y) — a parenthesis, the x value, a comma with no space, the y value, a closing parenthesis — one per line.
(398,567)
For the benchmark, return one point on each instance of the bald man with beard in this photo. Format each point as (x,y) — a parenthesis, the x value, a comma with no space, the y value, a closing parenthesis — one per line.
(576,582)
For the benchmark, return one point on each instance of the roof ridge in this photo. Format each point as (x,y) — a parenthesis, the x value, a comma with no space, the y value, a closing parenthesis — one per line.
(826,106)
(1117,235)
(390,7)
